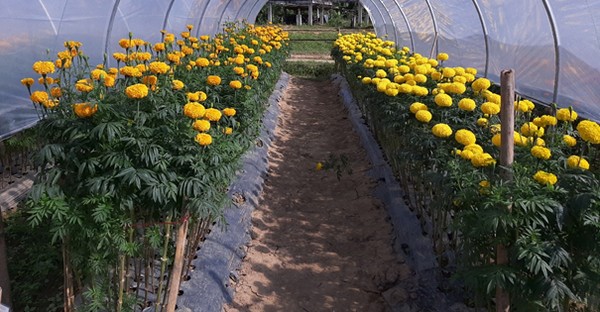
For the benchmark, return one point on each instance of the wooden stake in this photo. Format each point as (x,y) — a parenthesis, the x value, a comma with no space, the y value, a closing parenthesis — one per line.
(177,266)
(69,297)
(507,116)
(4,277)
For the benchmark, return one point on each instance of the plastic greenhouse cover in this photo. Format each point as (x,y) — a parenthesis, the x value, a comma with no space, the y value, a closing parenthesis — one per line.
(520,36)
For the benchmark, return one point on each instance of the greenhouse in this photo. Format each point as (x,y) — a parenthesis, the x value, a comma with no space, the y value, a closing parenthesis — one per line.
(313,155)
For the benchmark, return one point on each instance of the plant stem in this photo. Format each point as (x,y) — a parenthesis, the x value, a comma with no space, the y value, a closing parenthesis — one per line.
(163,266)
(177,265)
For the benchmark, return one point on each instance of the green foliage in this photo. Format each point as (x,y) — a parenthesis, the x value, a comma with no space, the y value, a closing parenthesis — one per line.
(550,231)
(309,69)
(35,265)
(109,180)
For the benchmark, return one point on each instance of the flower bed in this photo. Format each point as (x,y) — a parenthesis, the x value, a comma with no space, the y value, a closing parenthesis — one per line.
(139,156)
(440,130)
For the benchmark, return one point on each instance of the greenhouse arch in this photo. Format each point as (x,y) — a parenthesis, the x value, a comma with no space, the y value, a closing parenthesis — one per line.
(551,44)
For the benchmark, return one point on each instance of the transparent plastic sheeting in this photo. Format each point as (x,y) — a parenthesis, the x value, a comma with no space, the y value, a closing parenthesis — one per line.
(551,44)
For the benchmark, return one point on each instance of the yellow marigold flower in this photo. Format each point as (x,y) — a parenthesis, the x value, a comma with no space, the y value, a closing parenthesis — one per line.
(109,81)
(482,160)
(423,116)
(420,91)
(43,67)
(229,112)
(203,139)
(189,26)
(448,72)
(319,166)
(84,85)
(56,92)
(228,130)
(235,84)
(194,110)
(465,137)
(436,75)
(576,162)
(98,74)
(484,184)
(213,114)
(201,125)
(589,131)
(177,84)
(474,148)
(541,152)
(238,70)
(569,140)
(441,130)
(566,114)
(202,62)
(443,100)
(84,110)
(159,67)
(51,103)
(380,73)
(46,80)
(465,154)
(159,47)
(497,140)
(466,104)
(197,96)
(138,42)
(482,122)
(125,43)
(442,56)
(130,71)
(529,129)
(417,106)
(545,178)
(547,120)
(204,37)
(137,91)
(490,108)
(39,97)
(213,80)
(28,82)
(536,141)
(480,84)
(150,81)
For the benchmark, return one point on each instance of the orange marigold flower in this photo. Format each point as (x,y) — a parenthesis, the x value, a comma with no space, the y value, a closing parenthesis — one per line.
(84,110)
(43,67)
(229,112)
(213,114)
(39,97)
(194,110)
(213,80)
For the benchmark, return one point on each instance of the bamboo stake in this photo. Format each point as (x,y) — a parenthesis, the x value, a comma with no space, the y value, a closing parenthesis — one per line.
(69,298)
(121,282)
(507,115)
(163,265)
(177,266)
(4,277)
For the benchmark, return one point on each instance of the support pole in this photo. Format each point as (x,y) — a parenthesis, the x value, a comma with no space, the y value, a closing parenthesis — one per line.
(299,18)
(270,12)
(175,280)
(507,116)
(310,14)
(322,17)
(360,15)
(4,277)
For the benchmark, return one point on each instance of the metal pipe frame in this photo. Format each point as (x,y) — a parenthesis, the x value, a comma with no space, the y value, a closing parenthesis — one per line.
(556,38)
(409,27)
(435,30)
(485,37)
(110,25)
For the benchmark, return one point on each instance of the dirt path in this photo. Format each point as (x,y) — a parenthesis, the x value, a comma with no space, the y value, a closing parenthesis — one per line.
(319,244)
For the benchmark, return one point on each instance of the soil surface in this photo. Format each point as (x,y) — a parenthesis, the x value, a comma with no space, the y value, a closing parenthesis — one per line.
(318,243)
